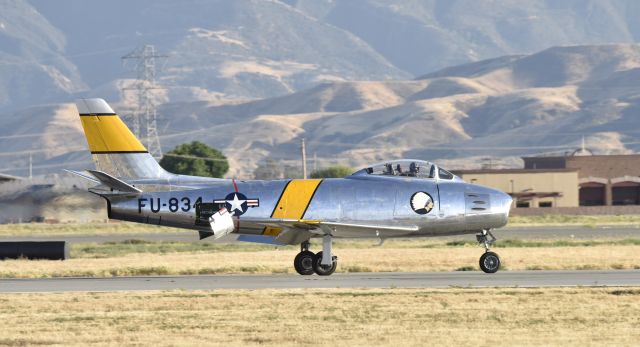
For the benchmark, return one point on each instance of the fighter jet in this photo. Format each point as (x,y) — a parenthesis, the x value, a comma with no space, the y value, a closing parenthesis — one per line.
(392,199)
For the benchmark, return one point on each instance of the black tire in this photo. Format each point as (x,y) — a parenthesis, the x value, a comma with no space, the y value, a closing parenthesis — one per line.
(490,262)
(323,270)
(303,263)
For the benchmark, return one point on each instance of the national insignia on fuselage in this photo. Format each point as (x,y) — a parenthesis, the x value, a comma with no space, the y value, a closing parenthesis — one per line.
(237,203)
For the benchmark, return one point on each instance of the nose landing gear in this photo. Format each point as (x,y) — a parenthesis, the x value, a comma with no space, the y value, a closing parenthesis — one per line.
(489,261)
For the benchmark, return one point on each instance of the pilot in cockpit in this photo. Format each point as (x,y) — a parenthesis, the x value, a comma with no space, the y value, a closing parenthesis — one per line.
(413,169)
(388,169)
(399,170)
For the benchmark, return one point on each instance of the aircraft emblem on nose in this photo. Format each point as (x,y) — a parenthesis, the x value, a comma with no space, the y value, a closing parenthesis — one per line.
(421,203)
(237,203)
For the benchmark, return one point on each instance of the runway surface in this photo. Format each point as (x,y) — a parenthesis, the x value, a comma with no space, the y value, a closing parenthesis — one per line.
(348,280)
(528,233)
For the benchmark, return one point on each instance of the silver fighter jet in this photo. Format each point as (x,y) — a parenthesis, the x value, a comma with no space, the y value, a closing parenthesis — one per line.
(398,198)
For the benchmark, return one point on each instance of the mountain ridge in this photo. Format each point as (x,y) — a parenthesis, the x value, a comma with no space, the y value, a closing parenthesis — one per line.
(457,117)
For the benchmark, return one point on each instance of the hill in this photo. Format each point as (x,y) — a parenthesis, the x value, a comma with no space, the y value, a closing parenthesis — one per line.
(499,108)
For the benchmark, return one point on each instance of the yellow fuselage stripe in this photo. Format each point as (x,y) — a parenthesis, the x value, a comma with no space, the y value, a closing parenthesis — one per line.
(107,133)
(294,202)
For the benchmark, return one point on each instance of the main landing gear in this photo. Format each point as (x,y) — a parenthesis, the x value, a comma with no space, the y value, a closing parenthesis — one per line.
(489,261)
(306,263)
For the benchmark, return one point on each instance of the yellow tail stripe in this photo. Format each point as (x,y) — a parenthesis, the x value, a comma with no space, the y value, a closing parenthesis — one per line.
(107,133)
(294,202)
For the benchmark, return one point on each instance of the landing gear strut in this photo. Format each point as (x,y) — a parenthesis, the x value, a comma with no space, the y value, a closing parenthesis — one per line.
(306,263)
(489,261)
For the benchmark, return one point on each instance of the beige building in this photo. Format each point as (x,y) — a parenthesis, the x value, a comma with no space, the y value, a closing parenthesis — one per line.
(530,188)
(603,180)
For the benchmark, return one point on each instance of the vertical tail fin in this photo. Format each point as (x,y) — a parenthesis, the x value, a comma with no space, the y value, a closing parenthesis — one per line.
(114,148)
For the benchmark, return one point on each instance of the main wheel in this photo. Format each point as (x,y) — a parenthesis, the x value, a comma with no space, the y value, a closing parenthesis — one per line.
(489,262)
(303,263)
(324,270)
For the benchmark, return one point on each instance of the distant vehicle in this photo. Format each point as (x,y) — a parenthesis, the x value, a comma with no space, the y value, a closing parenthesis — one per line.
(398,198)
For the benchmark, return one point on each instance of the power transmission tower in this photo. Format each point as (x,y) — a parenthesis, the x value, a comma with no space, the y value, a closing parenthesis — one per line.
(145,67)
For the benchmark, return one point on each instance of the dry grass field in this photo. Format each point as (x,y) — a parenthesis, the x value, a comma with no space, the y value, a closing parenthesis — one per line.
(354,256)
(358,317)
(575,220)
(43,229)
(136,257)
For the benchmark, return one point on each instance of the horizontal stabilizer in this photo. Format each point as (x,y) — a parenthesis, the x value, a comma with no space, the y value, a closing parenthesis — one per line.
(83,175)
(113,182)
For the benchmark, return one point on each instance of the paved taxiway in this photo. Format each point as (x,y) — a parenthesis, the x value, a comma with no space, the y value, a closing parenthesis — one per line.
(349,280)
(520,233)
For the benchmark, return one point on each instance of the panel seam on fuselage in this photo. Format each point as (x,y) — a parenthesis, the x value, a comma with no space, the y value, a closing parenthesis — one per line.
(280,198)
(311,199)
(264,230)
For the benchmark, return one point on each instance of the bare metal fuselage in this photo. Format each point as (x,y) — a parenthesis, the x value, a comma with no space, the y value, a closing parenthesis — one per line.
(355,201)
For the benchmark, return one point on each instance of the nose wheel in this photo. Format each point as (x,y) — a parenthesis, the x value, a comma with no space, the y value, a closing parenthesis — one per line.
(489,261)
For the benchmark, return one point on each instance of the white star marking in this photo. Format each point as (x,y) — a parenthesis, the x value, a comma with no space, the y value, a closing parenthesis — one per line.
(236,204)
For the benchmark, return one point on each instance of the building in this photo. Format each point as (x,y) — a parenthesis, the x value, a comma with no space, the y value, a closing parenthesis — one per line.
(577,179)
(530,188)
(603,180)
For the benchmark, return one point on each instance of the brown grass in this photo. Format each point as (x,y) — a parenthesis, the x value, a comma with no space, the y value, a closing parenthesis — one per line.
(574,220)
(374,317)
(350,260)
(42,229)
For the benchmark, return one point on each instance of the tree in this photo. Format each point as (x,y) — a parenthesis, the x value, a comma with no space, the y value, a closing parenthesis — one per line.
(195,159)
(332,172)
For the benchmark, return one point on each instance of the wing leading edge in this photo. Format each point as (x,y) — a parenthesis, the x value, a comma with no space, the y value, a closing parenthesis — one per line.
(295,231)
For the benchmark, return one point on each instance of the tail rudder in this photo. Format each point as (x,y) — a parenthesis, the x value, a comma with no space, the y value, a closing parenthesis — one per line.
(114,148)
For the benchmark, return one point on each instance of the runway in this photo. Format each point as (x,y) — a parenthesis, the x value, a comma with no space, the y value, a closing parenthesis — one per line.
(344,280)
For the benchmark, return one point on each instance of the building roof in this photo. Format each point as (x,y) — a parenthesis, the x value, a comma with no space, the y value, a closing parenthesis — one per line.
(595,156)
(528,195)
(510,171)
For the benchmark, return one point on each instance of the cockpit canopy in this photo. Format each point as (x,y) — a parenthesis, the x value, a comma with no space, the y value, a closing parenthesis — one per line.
(407,168)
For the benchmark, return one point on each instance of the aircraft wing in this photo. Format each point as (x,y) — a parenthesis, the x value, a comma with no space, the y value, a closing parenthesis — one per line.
(295,231)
